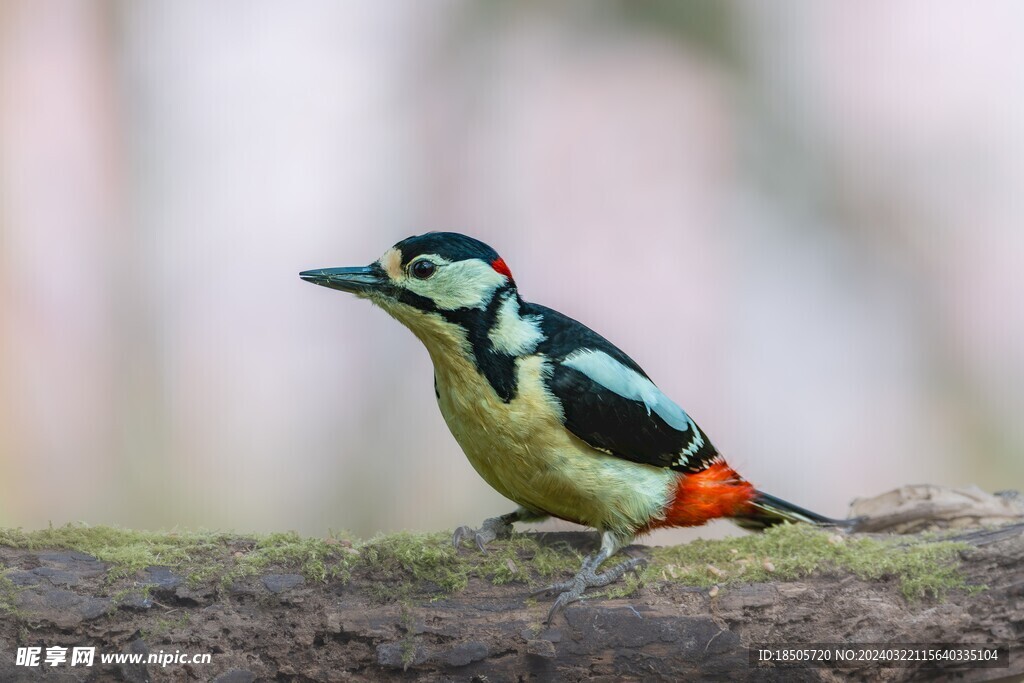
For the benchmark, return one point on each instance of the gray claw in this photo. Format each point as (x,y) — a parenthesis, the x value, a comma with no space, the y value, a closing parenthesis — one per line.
(491,529)
(459,534)
(560,603)
(572,590)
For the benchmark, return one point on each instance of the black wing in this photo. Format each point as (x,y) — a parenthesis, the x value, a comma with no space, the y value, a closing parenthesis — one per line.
(605,418)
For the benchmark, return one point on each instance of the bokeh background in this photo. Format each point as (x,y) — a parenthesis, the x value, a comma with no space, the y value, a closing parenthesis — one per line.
(804,219)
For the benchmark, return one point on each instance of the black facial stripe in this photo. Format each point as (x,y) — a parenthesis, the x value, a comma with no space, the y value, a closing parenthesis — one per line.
(413,299)
(498,368)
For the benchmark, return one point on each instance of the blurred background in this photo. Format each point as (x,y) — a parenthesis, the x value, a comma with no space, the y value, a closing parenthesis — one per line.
(803,219)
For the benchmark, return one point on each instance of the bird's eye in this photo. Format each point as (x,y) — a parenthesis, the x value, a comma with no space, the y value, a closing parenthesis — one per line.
(421,270)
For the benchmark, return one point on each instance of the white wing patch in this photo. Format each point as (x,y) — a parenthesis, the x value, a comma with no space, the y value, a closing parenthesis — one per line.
(514,334)
(616,377)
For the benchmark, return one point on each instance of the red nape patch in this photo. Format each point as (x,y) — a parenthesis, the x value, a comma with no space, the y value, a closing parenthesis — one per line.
(499,266)
(716,492)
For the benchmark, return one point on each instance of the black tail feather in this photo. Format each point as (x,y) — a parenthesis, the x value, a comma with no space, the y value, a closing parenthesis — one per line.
(769,511)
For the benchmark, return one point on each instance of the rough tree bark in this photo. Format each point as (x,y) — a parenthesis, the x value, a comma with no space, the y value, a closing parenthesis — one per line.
(278,626)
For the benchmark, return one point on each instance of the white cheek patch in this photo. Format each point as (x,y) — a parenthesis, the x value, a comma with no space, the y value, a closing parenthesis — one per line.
(616,377)
(513,334)
(463,284)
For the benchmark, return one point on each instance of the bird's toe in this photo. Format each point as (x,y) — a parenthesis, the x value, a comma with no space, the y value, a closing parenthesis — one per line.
(572,590)
(495,527)
(461,533)
(566,597)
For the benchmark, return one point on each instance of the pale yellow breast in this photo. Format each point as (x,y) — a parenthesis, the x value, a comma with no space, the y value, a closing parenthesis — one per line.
(522,450)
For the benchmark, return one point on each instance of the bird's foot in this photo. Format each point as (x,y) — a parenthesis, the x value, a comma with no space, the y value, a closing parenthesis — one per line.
(572,590)
(495,527)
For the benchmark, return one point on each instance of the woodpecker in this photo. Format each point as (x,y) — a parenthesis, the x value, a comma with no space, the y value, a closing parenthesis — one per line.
(551,414)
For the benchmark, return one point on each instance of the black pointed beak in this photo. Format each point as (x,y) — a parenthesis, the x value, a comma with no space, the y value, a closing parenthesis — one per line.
(357,280)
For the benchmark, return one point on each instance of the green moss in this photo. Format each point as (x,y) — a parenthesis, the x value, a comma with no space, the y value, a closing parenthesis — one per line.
(199,555)
(402,556)
(792,551)
(408,642)
(402,564)
(319,559)
(8,596)
(127,551)
(398,559)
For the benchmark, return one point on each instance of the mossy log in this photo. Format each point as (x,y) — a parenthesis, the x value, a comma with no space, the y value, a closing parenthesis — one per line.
(408,607)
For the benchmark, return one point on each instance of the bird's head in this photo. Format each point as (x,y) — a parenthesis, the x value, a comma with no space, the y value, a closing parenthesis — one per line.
(428,281)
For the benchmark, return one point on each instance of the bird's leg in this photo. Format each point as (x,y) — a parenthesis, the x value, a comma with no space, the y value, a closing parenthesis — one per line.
(494,527)
(587,577)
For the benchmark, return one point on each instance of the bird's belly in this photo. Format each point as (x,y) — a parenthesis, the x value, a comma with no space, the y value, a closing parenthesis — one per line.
(525,453)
